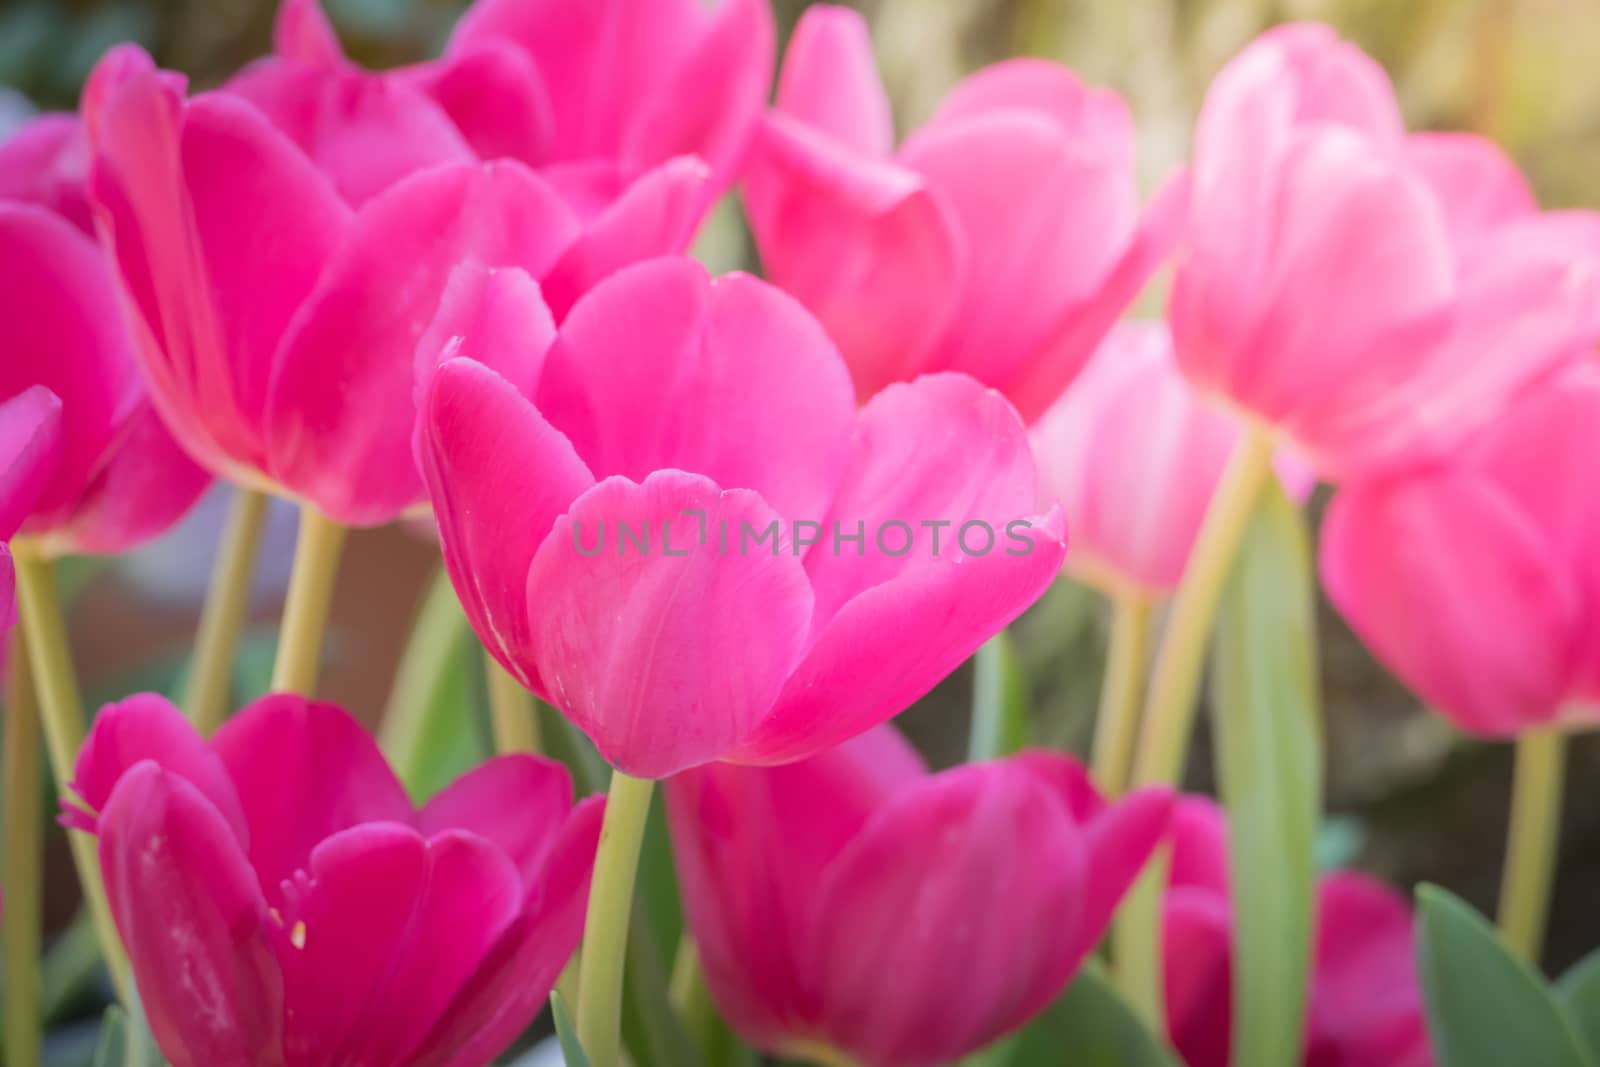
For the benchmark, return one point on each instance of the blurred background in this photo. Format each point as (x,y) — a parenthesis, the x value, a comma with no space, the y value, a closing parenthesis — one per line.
(1407,797)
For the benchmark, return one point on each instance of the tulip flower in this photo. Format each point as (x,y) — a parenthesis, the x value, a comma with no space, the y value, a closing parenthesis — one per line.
(282,901)
(30,449)
(1476,581)
(283,243)
(119,478)
(1002,240)
(1371,297)
(856,902)
(690,542)
(1365,1005)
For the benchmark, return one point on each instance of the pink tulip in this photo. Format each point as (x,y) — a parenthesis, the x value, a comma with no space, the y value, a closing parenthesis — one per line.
(30,450)
(1373,298)
(1002,240)
(1134,455)
(856,901)
(282,902)
(281,257)
(620,86)
(717,417)
(1365,1005)
(119,478)
(1478,581)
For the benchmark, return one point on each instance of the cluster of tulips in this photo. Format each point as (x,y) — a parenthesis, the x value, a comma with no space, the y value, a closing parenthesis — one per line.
(728,527)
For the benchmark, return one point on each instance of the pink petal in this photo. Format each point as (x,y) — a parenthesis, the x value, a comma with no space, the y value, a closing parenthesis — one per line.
(1199,857)
(30,449)
(861,242)
(1096,119)
(339,417)
(499,476)
(147,728)
(493,316)
(495,97)
(340,780)
(656,215)
(518,803)
(302,34)
(736,383)
(665,656)
(46,162)
(8,595)
(1196,933)
(1478,184)
(191,915)
(830,80)
(975,872)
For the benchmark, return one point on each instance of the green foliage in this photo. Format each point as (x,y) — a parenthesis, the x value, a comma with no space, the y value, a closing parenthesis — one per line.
(999,700)
(566,1033)
(1088,1026)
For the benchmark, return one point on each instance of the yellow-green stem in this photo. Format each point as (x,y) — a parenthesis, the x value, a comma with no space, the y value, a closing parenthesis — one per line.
(222,620)
(61,713)
(1169,709)
(821,1054)
(1117,727)
(605,934)
(1532,841)
(512,712)
(305,612)
(19,928)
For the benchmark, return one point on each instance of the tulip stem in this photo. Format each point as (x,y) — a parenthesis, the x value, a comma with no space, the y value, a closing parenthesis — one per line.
(605,934)
(216,646)
(820,1054)
(23,865)
(437,635)
(1169,709)
(1117,726)
(512,712)
(1531,844)
(305,612)
(61,713)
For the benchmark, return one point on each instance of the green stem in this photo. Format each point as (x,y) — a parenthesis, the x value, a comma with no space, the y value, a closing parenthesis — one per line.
(997,727)
(605,935)
(23,863)
(820,1054)
(61,713)
(1170,707)
(305,612)
(436,635)
(1532,842)
(227,603)
(1117,726)
(512,712)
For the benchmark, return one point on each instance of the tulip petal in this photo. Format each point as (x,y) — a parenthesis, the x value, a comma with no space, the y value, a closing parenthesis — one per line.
(516,802)
(30,449)
(46,162)
(496,99)
(341,780)
(339,416)
(1196,934)
(1199,846)
(1095,118)
(302,34)
(191,914)
(1479,186)
(493,316)
(737,383)
(499,477)
(830,80)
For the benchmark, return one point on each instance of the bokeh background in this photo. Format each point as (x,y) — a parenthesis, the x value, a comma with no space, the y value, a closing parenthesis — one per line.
(1407,797)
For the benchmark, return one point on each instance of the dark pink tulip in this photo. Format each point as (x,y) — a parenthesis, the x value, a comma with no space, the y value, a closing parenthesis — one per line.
(30,449)
(1478,581)
(1002,240)
(907,919)
(1366,1001)
(282,901)
(717,416)
(119,479)
(1372,297)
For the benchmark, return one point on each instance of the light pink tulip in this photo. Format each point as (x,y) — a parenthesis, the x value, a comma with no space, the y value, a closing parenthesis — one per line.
(119,478)
(905,918)
(704,409)
(1002,240)
(1134,455)
(1478,581)
(1372,297)
(1366,1002)
(282,901)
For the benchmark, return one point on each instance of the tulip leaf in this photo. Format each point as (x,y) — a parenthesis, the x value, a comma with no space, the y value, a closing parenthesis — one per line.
(1486,1008)
(999,700)
(1579,990)
(567,1034)
(1088,1026)
(1268,745)
(125,1038)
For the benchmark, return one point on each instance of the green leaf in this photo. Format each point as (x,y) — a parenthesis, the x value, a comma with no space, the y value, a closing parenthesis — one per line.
(1579,992)
(1088,1026)
(1268,745)
(651,1027)
(112,1051)
(999,700)
(567,1034)
(1486,1008)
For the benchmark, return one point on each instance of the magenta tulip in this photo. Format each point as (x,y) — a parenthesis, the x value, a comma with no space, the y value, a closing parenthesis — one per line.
(1365,1005)
(690,542)
(30,449)
(1002,240)
(119,478)
(1373,298)
(855,901)
(283,902)
(1478,581)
